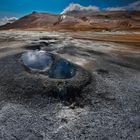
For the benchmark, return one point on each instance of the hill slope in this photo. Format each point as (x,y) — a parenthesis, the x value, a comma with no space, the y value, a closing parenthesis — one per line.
(98,21)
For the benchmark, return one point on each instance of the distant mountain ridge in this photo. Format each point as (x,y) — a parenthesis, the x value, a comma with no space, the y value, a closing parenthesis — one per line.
(96,21)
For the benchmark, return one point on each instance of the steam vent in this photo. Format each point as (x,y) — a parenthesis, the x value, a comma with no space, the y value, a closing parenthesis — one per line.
(60,77)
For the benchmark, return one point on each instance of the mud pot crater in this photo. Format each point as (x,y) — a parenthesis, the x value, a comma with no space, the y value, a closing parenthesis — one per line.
(61,77)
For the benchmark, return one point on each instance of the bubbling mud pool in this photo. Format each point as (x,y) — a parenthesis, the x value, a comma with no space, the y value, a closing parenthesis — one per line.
(63,79)
(41,61)
(62,69)
(37,60)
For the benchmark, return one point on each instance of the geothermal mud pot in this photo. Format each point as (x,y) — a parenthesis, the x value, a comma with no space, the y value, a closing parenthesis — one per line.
(62,78)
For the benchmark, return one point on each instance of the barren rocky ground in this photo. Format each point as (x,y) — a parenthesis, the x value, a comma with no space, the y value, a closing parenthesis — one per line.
(107,106)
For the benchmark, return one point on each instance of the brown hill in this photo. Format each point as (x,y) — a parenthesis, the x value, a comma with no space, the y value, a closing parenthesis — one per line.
(99,21)
(34,20)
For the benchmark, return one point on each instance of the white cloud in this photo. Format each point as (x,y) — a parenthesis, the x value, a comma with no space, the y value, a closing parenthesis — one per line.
(135,6)
(115,9)
(7,20)
(78,8)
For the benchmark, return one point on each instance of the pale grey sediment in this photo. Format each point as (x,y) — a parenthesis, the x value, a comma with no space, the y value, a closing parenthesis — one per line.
(109,105)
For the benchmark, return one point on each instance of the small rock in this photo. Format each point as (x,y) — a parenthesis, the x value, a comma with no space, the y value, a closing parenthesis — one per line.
(72,106)
(64,120)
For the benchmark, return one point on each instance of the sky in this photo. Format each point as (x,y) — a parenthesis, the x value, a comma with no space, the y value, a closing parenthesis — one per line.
(18,8)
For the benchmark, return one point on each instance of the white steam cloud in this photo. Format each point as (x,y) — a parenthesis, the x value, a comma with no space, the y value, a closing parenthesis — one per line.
(77,8)
(131,7)
(81,9)
(134,6)
(115,9)
(7,20)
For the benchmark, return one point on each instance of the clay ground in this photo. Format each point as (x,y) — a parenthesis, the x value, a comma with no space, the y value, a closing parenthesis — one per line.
(108,108)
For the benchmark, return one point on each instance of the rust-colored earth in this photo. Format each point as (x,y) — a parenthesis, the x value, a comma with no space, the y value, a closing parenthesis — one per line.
(99,21)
